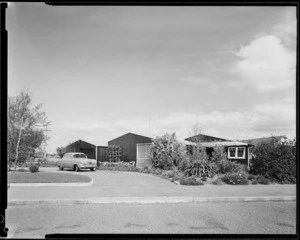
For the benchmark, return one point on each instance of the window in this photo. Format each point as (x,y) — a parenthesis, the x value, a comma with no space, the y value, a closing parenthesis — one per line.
(79,155)
(236,152)
(231,152)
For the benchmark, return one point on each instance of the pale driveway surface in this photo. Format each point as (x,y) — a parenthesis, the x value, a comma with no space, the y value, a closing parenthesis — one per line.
(133,184)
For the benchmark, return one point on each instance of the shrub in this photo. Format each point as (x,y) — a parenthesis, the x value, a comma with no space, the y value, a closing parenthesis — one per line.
(183,165)
(201,169)
(251,177)
(166,152)
(146,170)
(190,181)
(197,153)
(169,173)
(178,175)
(158,171)
(34,168)
(217,181)
(226,166)
(235,179)
(203,179)
(263,180)
(218,154)
(254,182)
(22,170)
(118,166)
(275,161)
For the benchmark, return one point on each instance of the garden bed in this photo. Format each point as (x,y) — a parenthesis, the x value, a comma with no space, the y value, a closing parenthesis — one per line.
(46,177)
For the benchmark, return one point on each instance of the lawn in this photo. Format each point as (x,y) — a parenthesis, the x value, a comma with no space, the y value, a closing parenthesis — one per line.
(45,177)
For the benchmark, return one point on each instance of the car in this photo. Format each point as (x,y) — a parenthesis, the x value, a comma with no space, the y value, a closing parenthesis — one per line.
(76,161)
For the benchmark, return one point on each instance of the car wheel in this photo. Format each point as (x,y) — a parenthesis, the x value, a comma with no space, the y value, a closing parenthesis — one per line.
(61,168)
(93,169)
(76,168)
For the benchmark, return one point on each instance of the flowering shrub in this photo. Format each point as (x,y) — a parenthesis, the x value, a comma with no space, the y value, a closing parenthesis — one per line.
(166,152)
(235,179)
(118,166)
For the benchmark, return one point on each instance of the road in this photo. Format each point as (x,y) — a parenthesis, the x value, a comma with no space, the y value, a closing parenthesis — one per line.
(182,218)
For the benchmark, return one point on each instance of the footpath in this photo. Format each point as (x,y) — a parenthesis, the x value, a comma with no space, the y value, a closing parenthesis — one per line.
(125,187)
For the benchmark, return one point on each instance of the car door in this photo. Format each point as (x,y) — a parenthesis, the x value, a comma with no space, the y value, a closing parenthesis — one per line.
(63,160)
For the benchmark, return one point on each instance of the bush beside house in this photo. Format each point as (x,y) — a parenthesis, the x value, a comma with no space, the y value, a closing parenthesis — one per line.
(275,161)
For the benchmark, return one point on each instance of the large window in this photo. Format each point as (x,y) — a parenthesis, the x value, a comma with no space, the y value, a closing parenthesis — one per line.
(237,152)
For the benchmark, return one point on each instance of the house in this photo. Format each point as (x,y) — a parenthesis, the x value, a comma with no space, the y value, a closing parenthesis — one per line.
(135,148)
(92,151)
(256,141)
(236,150)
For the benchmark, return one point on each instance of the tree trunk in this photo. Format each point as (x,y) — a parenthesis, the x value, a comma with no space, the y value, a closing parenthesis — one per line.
(18,143)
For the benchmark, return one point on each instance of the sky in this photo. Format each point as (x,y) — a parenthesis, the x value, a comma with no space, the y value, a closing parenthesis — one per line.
(103,71)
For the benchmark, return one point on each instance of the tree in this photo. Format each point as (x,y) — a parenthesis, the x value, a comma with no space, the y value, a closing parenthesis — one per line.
(26,127)
(166,151)
(60,151)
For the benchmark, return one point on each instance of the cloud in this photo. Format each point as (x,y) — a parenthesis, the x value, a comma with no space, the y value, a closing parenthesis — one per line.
(287,28)
(266,64)
(278,118)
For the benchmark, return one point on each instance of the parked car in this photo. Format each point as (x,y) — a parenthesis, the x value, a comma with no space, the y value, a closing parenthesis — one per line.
(76,161)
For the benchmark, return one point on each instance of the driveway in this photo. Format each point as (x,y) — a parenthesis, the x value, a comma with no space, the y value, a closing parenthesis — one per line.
(133,184)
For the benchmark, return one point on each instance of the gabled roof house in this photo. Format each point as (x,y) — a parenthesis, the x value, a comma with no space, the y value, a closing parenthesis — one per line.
(236,150)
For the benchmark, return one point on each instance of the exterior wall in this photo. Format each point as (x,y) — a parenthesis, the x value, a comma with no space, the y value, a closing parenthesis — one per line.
(128,143)
(209,151)
(84,147)
(101,154)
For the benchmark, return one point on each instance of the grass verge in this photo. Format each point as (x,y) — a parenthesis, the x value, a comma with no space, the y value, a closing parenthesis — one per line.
(46,177)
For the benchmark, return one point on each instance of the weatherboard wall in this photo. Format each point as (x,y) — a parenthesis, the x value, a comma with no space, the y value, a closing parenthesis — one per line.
(129,144)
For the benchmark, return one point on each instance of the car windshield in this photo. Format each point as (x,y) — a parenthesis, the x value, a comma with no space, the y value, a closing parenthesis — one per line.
(79,156)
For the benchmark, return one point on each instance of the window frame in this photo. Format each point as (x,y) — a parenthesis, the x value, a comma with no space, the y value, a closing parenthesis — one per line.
(236,153)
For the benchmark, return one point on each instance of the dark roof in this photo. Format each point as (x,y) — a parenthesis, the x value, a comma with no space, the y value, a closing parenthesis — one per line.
(256,141)
(205,138)
(130,134)
(81,141)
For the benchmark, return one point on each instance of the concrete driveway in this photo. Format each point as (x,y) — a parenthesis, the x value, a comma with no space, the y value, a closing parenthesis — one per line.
(119,179)
(109,184)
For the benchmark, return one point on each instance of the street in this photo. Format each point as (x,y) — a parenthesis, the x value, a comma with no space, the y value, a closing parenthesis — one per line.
(182,218)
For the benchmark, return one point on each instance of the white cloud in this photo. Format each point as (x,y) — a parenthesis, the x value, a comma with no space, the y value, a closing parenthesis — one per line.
(287,28)
(259,121)
(266,64)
